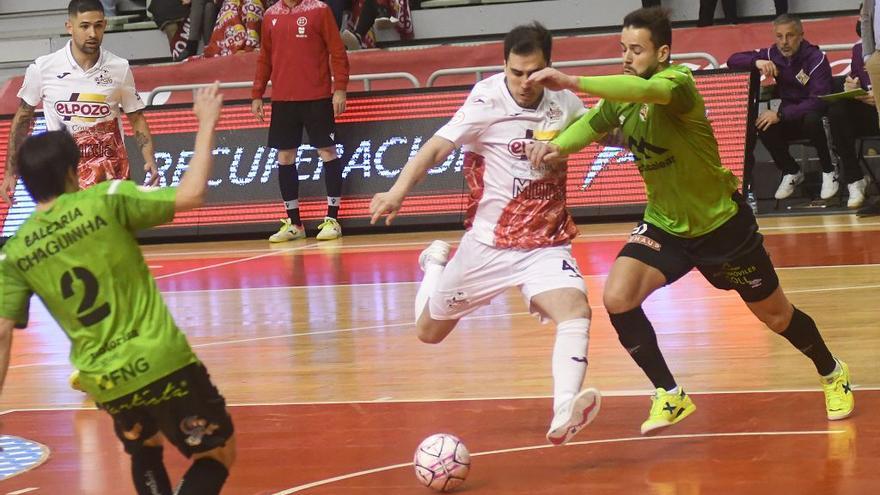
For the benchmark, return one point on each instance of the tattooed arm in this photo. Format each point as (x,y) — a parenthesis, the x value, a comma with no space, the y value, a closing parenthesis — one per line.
(145,143)
(20,129)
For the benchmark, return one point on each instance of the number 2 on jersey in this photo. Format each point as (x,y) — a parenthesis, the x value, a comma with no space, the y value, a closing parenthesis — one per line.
(87,314)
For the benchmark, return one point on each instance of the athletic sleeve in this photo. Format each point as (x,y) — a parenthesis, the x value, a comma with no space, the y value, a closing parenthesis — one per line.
(15,294)
(667,87)
(130,100)
(32,87)
(469,121)
(139,207)
(264,61)
(590,127)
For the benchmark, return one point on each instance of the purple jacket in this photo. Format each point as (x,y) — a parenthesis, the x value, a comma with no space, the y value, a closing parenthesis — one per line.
(857,67)
(801,80)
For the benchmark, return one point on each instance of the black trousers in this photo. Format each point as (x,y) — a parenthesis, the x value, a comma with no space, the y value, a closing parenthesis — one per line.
(777,137)
(851,119)
(707,11)
(781,6)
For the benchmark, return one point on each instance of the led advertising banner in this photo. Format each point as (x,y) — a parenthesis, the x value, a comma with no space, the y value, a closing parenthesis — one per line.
(378,133)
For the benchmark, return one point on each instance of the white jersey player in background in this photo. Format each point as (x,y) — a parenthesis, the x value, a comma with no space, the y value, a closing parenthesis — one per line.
(83,88)
(519,230)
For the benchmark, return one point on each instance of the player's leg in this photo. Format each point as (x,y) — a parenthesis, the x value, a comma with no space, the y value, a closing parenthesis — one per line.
(285,135)
(453,288)
(649,260)
(554,289)
(320,124)
(209,470)
(801,331)
(749,271)
(201,428)
(140,436)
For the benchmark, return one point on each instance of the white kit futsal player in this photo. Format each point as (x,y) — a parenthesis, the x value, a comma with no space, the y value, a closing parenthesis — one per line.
(519,231)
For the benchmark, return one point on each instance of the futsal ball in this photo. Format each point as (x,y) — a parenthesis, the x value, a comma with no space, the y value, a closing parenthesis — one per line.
(442,462)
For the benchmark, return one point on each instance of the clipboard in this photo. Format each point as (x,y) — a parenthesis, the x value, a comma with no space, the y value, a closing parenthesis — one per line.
(844,95)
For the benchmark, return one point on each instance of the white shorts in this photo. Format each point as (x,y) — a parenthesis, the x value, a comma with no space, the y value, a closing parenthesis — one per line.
(477,273)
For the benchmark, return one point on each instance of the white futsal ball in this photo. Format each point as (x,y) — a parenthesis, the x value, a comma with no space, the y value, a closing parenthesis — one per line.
(442,462)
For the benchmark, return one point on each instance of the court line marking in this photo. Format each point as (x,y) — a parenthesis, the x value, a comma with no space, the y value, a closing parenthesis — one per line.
(723,295)
(391,284)
(313,246)
(387,400)
(24,490)
(327,481)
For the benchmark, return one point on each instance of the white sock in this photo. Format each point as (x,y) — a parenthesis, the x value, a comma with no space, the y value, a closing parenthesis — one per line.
(569,359)
(433,271)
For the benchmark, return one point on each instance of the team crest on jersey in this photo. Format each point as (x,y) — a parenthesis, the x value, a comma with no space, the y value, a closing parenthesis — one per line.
(802,77)
(643,112)
(83,107)
(554,113)
(103,78)
(301,27)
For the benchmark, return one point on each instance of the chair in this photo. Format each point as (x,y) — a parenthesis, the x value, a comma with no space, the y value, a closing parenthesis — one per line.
(862,144)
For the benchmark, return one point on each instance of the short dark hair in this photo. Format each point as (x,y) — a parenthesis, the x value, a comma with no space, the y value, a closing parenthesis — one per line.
(654,19)
(79,6)
(789,19)
(44,161)
(528,38)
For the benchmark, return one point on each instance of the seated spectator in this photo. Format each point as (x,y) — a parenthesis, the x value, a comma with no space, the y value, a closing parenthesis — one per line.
(202,15)
(237,28)
(851,119)
(802,74)
(365,14)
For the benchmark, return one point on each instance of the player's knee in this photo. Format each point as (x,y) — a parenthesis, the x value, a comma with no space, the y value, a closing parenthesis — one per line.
(777,321)
(430,336)
(286,157)
(616,302)
(225,455)
(327,154)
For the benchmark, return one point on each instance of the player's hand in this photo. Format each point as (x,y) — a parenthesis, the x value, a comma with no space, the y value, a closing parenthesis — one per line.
(767,68)
(208,104)
(541,152)
(851,83)
(766,119)
(151,174)
(553,80)
(338,102)
(7,190)
(257,109)
(385,203)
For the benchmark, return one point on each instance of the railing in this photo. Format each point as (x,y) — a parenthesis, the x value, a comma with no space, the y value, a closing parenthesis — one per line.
(479,71)
(365,78)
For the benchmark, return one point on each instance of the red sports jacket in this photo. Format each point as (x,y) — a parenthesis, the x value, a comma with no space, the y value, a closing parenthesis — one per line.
(298,46)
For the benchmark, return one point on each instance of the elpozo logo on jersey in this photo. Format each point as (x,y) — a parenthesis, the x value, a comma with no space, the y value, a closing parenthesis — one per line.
(83,107)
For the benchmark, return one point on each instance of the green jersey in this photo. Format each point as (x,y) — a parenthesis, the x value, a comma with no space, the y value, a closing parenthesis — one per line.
(689,191)
(81,258)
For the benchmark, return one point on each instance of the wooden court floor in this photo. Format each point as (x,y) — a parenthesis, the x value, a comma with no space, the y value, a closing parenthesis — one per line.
(313,346)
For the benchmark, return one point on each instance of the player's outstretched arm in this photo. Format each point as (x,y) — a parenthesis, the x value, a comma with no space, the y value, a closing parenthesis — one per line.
(6,326)
(18,131)
(624,87)
(145,143)
(433,152)
(192,188)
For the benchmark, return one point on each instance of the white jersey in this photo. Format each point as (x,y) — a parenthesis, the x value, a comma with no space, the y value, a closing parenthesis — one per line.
(513,204)
(86,103)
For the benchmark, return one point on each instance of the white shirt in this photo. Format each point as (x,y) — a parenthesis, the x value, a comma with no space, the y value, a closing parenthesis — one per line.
(87,103)
(513,204)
